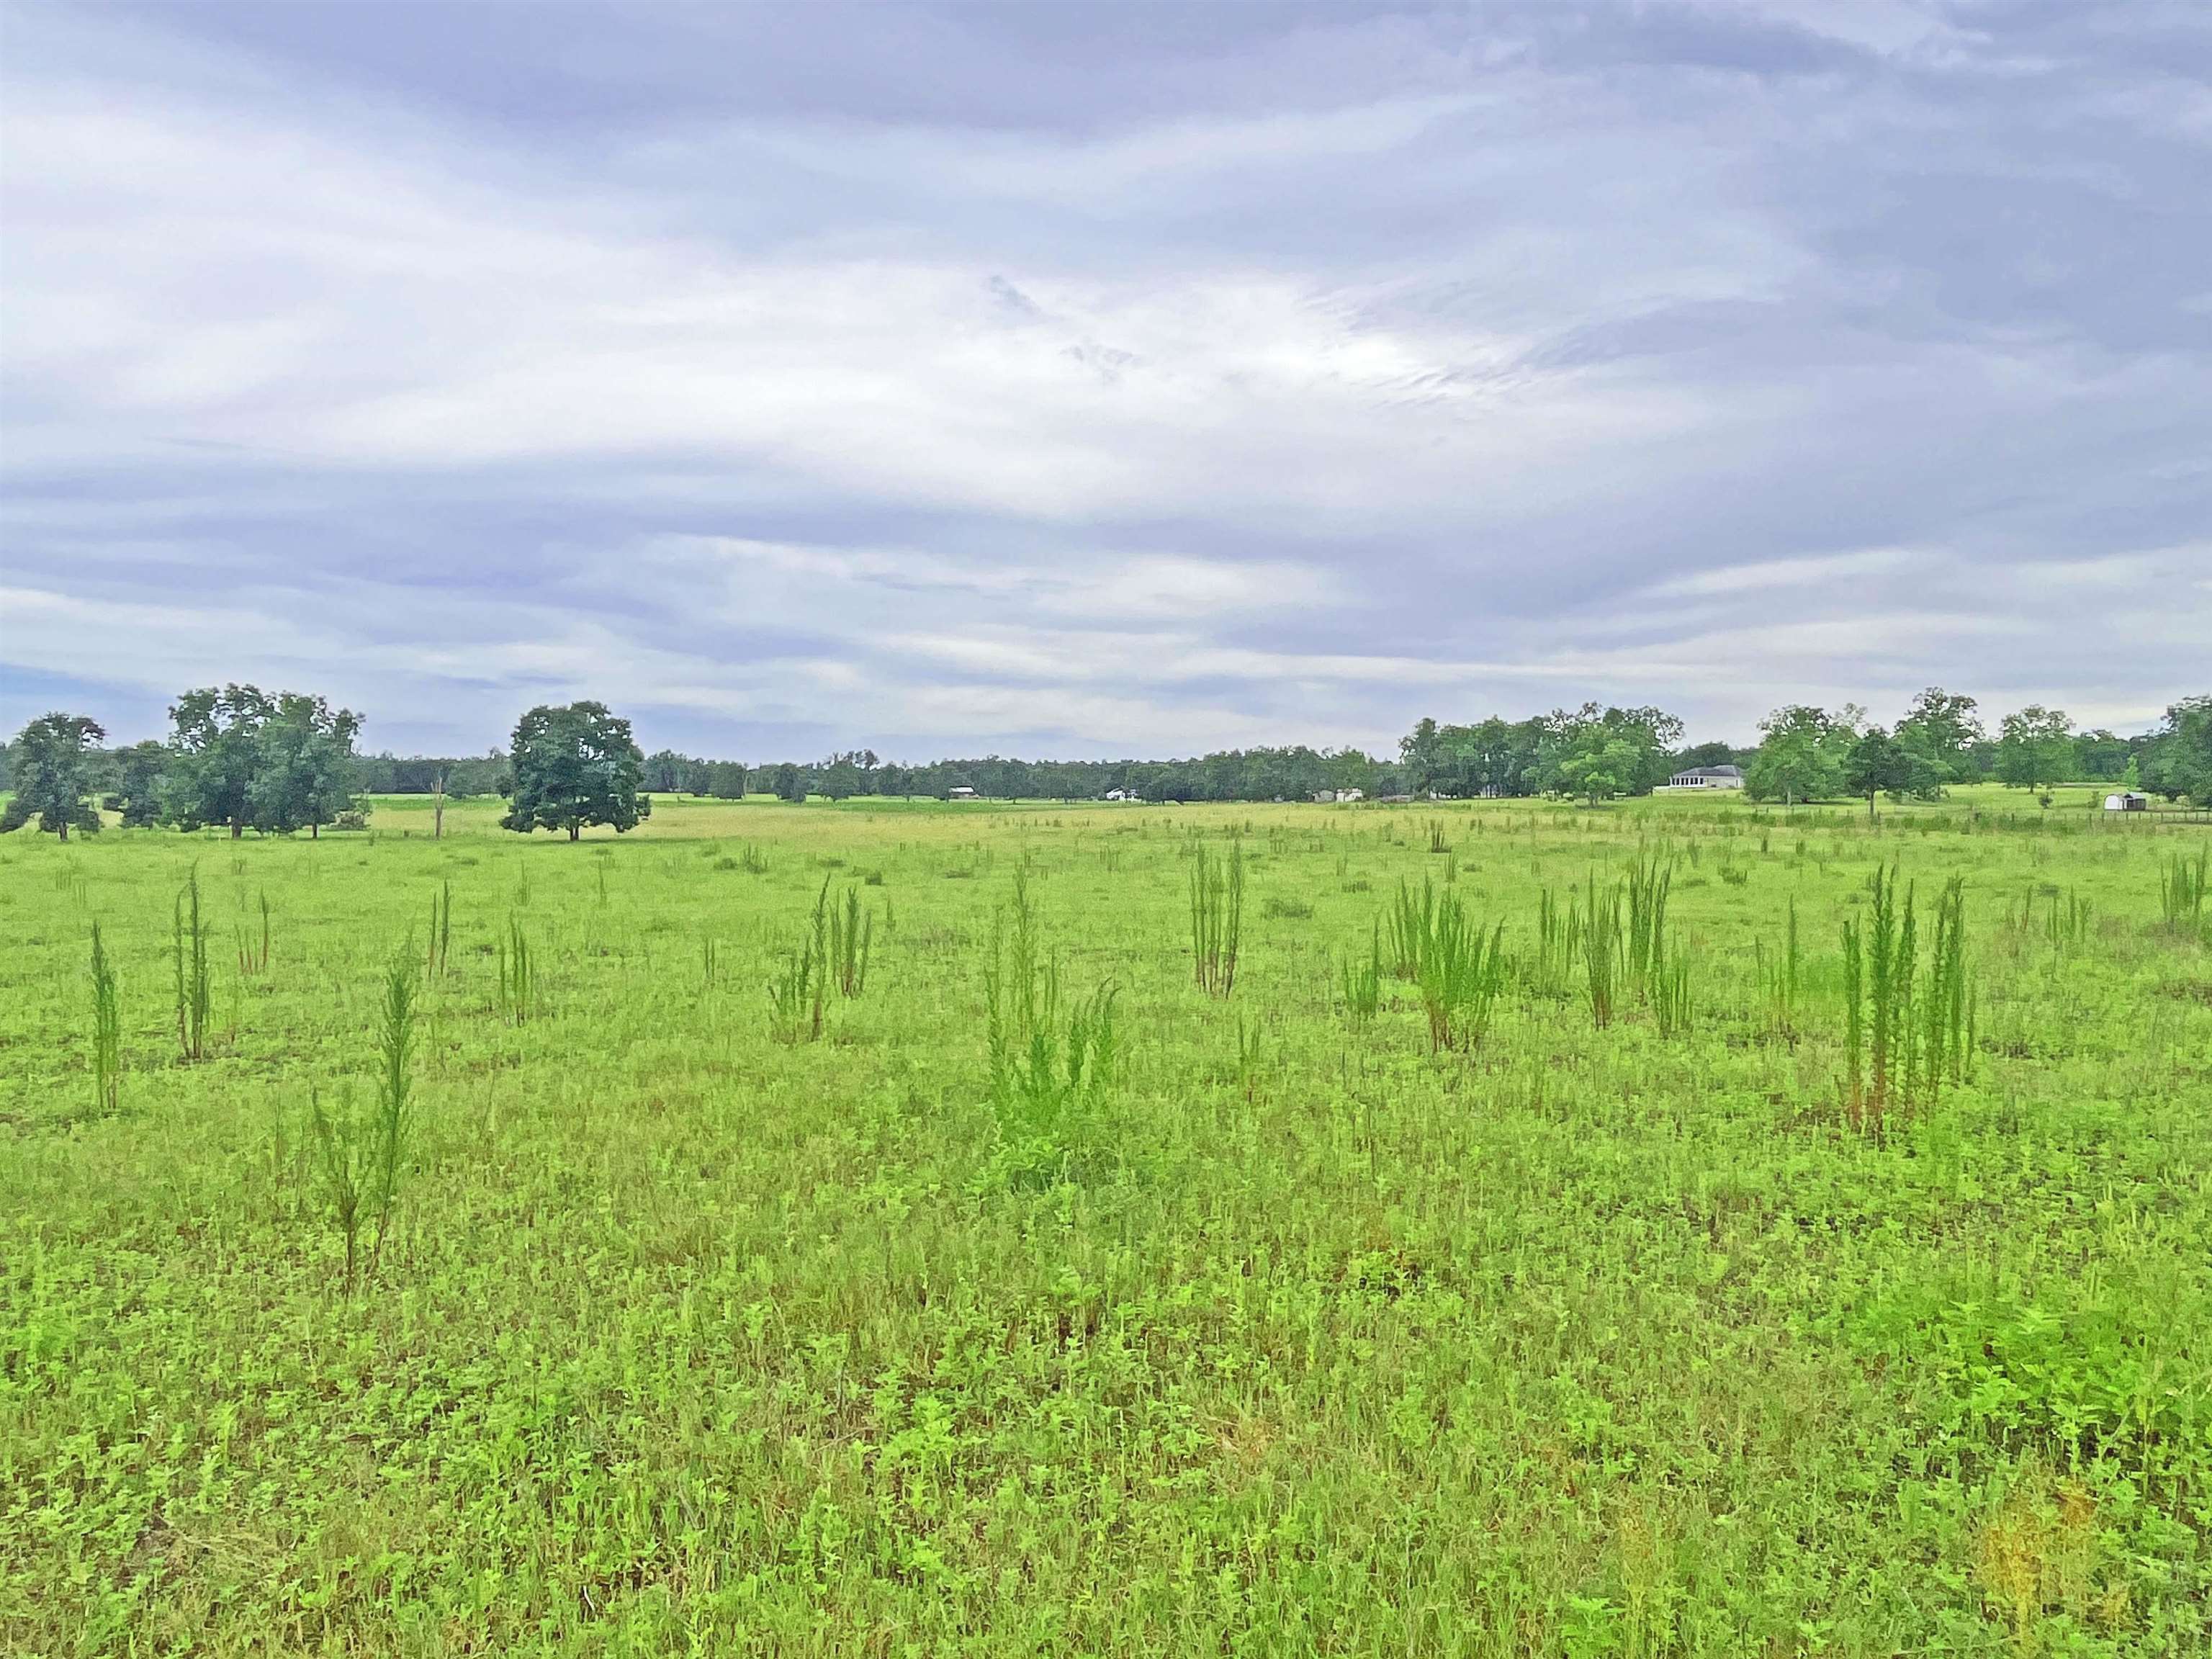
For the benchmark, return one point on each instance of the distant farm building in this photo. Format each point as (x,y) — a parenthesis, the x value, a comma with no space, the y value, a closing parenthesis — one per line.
(1117,794)
(2127,801)
(1326,796)
(960,792)
(1708,777)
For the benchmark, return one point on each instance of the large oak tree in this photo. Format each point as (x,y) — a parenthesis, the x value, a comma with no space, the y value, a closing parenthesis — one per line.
(2035,748)
(214,755)
(304,771)
(1938,734)
(576,765)
(1801,755)
(52,775)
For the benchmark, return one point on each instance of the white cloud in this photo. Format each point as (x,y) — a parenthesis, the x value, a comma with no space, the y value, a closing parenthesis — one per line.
(1787,574)
(1493,380)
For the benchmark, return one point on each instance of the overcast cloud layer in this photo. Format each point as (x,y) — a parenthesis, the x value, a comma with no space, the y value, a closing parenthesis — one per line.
(1074,382)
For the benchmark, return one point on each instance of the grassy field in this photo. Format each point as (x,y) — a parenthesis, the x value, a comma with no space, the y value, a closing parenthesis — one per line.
(1273,1332)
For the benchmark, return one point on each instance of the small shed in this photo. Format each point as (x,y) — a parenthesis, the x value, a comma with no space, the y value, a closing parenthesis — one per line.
(960,792)
(2127,800)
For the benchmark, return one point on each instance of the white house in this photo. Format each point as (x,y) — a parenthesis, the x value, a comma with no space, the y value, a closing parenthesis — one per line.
(960,792)
(1117,794)
(1708,777)
(2127,801)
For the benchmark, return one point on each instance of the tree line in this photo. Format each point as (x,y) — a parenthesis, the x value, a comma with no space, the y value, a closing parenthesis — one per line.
(1806,753)
(237,757)
(240,758)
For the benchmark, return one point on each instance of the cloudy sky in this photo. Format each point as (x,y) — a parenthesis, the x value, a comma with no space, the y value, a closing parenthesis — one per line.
(1140,380)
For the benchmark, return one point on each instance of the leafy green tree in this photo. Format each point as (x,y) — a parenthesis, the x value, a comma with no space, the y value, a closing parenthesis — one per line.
(214,754)
(464,776)
(1493,757)
(140,771)
(575,765)
(1569,755)
(1877,764)
(668,773)
(1347,769)
(845,775)
(1598,764)
(304,766)
(787,782)
(2179,759)
(2035,748)
(1938,732)
(2100,754)
(1802,757)
(1420,751)
(725,781)
(51,773)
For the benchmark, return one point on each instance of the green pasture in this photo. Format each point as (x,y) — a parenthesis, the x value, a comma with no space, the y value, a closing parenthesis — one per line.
(1285,1335)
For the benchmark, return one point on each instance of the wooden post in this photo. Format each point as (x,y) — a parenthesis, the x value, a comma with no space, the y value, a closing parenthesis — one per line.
(438,813)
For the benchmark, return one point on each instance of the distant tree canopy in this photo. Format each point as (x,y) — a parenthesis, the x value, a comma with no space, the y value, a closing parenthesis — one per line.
(1877,765)
(1941,738)
(845,775)
(1651,735)
(1593,751)
(215,742)
(141,772)
(1493,757)
(1803,756)
(1808,754)
(464,776)
(304,777)
(574,766)
(2036,748)
(1292,773)
(242,758)
(51,774)
(2179,759)
(1596,766)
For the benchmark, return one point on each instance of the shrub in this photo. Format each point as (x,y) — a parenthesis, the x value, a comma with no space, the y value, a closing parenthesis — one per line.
(106,1030)
(1216,918)
(189,957)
